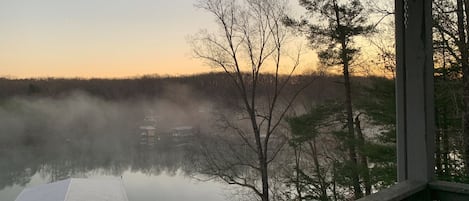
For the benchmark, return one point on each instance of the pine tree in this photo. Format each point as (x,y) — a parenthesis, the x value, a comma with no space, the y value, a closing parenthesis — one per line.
(332,32)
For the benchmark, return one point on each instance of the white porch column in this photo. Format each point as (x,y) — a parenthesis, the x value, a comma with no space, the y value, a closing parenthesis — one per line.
(414,90)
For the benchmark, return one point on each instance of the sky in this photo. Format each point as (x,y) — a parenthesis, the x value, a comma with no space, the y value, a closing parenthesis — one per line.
(104,38)
(99,38)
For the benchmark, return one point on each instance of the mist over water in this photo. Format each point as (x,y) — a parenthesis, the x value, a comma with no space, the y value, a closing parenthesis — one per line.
(49,131)
(77,135)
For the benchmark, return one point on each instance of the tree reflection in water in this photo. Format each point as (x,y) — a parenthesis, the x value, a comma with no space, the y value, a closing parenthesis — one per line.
(96,157)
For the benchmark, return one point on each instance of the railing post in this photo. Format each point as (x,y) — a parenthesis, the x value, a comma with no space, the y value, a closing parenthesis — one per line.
(414,90)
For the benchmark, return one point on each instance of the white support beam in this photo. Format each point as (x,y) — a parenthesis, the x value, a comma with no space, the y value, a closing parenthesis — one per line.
(414,90)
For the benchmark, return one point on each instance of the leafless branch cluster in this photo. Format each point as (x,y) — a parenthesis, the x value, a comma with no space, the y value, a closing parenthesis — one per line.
(251,43)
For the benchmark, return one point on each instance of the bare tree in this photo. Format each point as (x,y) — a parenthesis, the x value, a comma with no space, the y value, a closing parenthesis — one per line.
(250,46)
(451,41)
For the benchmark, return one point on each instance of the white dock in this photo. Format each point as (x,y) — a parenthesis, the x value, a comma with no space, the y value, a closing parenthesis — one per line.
(76,190)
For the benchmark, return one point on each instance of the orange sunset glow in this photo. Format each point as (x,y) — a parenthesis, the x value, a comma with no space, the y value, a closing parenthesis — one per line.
(54,38)
(108,39)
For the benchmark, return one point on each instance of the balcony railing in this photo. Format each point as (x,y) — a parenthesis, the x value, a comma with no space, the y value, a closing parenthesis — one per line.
(421,191)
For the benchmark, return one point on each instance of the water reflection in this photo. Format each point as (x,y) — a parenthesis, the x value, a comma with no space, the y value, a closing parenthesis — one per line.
(162,172)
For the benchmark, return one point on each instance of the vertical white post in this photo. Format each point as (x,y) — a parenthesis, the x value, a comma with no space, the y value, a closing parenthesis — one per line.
(414,90)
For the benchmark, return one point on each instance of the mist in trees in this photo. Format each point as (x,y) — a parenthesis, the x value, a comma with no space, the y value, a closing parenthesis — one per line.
(332,32)
(251,42)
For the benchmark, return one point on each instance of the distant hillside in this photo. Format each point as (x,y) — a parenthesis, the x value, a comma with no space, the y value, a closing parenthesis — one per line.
(215,86)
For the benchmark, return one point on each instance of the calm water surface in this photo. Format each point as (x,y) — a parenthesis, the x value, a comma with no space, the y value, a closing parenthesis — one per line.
(143,187)
(48,140)
(164,173)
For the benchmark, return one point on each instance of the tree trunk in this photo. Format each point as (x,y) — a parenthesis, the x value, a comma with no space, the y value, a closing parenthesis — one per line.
(334,183)
(262,164)
(351,133)
(363,158)
(462,45)
(261,152)
(438,161)
(348,105)
(444,147)
(445,154)
(317,169)
(438,136)
(297,150)
(464,49)
(265,181)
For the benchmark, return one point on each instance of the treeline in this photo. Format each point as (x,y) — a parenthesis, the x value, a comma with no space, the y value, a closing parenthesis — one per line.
(211,85)
(37,111)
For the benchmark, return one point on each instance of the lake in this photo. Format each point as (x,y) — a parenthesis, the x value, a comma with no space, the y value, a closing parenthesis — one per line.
(47,140)
(148,173)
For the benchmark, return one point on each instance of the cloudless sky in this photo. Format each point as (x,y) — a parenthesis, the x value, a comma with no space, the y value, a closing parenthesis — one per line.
(102,38)
(98,38)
